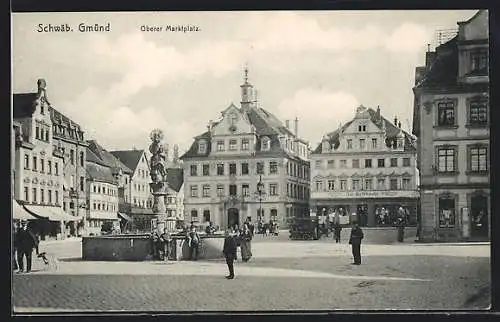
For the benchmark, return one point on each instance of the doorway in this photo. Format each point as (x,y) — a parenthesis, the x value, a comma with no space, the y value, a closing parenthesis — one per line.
(233,217)
(362,214)
(479,216)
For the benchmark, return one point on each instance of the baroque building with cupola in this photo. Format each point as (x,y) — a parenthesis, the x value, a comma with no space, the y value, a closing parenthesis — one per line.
(451,119)
(246,146)
(366,168)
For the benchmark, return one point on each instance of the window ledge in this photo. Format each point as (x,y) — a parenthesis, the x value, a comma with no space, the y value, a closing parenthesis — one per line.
(445,127)
(477,173)
(477,126)
(447,174)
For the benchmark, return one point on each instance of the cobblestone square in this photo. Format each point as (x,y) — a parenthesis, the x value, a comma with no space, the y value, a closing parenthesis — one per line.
(282,275)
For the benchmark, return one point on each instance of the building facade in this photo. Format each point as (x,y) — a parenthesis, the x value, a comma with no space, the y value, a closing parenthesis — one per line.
(136,191)
(38,182)
(367,167)
(102,193)
(69,140)
(174,200)
(247,145)
(451,119)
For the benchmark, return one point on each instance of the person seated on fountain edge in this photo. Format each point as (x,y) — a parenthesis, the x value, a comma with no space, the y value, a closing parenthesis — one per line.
(210,229)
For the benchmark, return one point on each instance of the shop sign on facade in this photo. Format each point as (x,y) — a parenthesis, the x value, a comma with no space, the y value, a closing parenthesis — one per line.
(366,194)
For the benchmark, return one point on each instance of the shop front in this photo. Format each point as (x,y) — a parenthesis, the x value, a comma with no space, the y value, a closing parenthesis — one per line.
(370,208)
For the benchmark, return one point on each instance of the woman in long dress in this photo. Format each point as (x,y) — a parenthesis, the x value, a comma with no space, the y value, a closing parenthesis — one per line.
(246,243)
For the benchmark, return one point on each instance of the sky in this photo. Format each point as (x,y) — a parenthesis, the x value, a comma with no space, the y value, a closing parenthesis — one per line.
(317,66)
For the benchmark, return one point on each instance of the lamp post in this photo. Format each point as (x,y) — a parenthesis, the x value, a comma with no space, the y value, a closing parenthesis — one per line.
(260,193)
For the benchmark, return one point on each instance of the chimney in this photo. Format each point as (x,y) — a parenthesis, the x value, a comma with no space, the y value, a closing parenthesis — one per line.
(395,120)
(297,127)
(287,124)
(430,57)
(399,124)
(378,113)
(209,126)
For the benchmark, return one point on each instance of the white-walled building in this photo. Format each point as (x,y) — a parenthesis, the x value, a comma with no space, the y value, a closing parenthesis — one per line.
(225,163)
(367,167)
(102,193)
(38,182)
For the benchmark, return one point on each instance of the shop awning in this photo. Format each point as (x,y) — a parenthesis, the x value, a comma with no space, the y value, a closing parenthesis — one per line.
(50,213)
(125,216)
(19,213)
(63,216)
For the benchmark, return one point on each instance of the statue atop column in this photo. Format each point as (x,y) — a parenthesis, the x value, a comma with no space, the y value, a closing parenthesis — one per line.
(158,159)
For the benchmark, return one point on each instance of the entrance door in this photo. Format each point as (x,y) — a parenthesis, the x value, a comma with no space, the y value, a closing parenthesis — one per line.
(479,216)
(233,217)
(362,214)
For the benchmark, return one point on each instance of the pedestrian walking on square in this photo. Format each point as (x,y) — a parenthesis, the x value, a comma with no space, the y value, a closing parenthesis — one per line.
(229,251)
(246,244)
(401,224)
(193,244)
(25,242)
(337,229)
(166,245)
(355,241)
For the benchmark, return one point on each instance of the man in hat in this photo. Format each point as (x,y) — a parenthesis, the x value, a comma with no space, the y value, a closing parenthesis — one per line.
(355,241)
(25,242)
(229,251)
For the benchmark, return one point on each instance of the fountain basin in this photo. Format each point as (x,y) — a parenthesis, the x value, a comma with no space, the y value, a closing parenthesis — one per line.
(138,247)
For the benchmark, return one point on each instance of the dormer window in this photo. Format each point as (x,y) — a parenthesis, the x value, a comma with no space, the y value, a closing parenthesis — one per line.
(202,147)
(266,144)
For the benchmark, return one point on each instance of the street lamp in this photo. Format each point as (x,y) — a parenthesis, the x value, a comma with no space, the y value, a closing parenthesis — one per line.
(260,192)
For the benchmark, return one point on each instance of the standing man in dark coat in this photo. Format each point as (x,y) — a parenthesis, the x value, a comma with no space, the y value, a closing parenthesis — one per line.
(229,252)
(193,243)
(337,229)
(25,242)
(355,241)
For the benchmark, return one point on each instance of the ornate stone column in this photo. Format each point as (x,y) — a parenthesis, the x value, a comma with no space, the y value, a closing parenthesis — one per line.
(159,184)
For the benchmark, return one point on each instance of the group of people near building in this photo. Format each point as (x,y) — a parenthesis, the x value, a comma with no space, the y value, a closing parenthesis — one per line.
(24,242)
(270,228)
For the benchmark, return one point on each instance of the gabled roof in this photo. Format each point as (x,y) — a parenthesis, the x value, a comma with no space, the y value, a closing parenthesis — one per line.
(100,173)
(175,178)
(107,158)
(129,158)
(391,132)
(265,124)
(93,158)
(23,104)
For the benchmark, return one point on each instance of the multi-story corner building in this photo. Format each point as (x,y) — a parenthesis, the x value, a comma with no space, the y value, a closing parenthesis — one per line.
(38,182)
(366,167)
(120,172)
(451,120)
(247,145)
(137,192)
(174,200)
(68,139)
(102,192)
